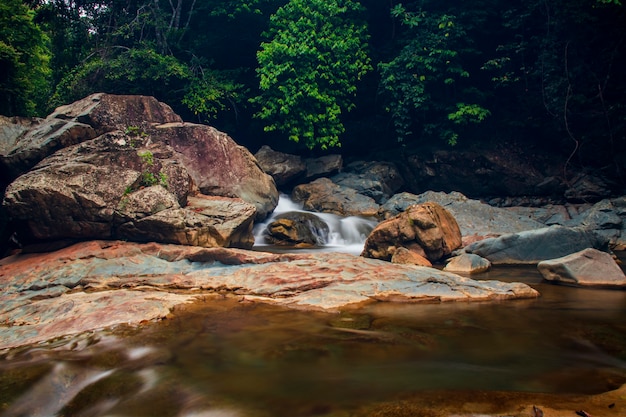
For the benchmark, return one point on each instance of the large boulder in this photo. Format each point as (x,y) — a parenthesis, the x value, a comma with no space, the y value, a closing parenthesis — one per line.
(219,166)
(108,112)
(324,196)
(378,180)
(26,141)
(283,167)
(297,228)
(589,267)
(428,229)
(116,186)
(205,221)
(323,166)
(533,246)
(476,219)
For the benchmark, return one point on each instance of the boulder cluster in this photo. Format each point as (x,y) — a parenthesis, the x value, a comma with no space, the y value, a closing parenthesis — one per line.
(128,167)
(466,235)
(115,193)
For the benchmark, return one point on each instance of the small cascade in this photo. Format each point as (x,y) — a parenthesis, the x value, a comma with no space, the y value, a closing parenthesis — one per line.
(346,234)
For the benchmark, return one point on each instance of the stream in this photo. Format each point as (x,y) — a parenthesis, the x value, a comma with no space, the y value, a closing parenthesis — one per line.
(224,358)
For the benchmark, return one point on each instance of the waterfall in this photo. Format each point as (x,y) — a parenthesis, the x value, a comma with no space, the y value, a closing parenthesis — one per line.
(346,234)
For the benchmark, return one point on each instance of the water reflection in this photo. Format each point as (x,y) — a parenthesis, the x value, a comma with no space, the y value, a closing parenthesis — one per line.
(226,358)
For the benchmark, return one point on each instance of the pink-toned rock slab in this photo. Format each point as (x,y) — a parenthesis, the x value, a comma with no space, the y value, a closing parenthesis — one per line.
(99,284)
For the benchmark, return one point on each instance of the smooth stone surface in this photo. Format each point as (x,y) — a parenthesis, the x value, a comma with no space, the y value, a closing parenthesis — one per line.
(467,263)
(534,246)
(102,283)
(589,267)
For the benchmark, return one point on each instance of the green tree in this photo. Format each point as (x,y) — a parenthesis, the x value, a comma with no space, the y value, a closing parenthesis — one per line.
(24,61)
(309,69)
(423,85)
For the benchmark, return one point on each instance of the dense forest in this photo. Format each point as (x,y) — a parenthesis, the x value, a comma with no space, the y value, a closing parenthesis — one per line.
(322,74)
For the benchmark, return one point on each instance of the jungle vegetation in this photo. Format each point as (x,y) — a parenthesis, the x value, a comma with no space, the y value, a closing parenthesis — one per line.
(319,74)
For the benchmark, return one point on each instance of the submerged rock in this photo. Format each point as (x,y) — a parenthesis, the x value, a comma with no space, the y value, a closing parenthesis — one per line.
(97,284)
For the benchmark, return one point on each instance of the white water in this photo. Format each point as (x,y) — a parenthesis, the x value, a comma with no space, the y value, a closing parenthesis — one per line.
(346,234)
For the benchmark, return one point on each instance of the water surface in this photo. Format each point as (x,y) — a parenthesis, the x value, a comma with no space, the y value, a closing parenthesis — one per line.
(227,358)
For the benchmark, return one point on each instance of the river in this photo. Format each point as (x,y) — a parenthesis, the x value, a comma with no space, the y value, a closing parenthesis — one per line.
(224,358)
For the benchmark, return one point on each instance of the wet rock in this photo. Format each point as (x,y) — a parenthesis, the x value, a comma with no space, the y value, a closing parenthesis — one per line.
(467,263)
(589,267)
(533,246)
(284,168)
(296,228)
(378,180)
(219,166)
(428,229)
(130,282)
(324,196)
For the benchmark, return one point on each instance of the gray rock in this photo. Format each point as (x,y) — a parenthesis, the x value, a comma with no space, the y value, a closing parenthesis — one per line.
(533,246)
(24,144)
(589,267)
(324,166)
(378,180)
(324,196)
(601,216)
(467,263)
(284,168)
(475,219)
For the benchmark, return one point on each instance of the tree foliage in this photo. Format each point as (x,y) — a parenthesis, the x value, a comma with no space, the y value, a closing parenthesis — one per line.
(309,69)
(423,83)
(24,61)
(358,73)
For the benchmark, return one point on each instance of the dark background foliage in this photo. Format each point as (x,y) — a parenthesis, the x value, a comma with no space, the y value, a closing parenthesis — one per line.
(539,73)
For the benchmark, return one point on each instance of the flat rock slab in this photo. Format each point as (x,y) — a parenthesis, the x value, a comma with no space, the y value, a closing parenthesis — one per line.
(99,284)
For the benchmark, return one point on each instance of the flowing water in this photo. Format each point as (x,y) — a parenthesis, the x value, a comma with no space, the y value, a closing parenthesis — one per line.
(224,358)
(346,234)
